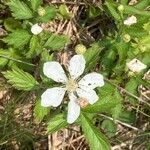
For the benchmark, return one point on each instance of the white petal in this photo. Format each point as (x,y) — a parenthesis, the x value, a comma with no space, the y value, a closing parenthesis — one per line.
(136,66)
(76,66)
(130,20)
(54,71)
(88,94)
(73,109)
(36,29)
(52,97)
(92,80)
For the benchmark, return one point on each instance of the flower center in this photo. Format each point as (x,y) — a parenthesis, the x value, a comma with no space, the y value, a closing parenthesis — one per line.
(71,85)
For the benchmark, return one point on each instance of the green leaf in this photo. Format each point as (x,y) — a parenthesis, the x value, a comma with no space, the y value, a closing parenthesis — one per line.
(4,61)
(108,60)
(20,10)
(127,9)
(18,38)
(39,111)
(11,24)
(146,27)
(112,9)
(116,111)
(92,55)
(35,4)
(122,51)
(132,86)
(34,47)
(94,11)
(63,9)
(142,4)
(45,56)
(21,80)
(56,123)
(96,140)
(109,97)
(50,13)
(127,117)
(133,10)
(57,42)
(110,127)
(124,2)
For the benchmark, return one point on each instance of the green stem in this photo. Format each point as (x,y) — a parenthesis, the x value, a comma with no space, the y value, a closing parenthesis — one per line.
(16,60)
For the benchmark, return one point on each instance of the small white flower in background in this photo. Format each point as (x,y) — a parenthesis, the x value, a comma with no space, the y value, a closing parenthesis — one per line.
(136,66)
(36,29)
(130,20)
(77,90)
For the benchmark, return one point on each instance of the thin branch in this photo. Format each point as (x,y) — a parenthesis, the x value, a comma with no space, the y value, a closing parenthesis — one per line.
(127,92)
(68,2)
(75,140)
(120,122)
(141,112)
(16,60)
(3,143)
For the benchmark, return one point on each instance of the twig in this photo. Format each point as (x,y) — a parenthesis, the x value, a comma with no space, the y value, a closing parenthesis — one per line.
(69,3)
(73,141)
(118,121)
(141,112)
(20,61)
(127,92)
(3,143)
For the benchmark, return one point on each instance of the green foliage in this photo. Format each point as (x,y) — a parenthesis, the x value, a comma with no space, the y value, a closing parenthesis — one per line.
(108,54)
(135,11)
(127,117)
(18,38)
(113,10)
(20,10)
(95,138)
(94,12)
(34,47)
(109,98)
(132,86)
(3,61)
(39,111)
(35,4)
(21,80)
(11,24)
(92,56)
(46,57)
(63,9)
(57,42)
(11,128)
(50,13)
(109,127)
(142,4)
(56,123)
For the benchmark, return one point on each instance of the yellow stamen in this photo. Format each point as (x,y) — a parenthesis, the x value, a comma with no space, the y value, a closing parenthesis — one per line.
(71,85)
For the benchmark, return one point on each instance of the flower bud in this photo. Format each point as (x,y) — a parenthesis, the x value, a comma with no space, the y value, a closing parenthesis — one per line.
(41,11)
(126,38)
(80,49)
(121,8)
(36,29)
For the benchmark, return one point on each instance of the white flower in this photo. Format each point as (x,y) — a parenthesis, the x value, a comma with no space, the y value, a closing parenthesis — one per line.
(36,29)
(136,66)
(75,88)
(130,20)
